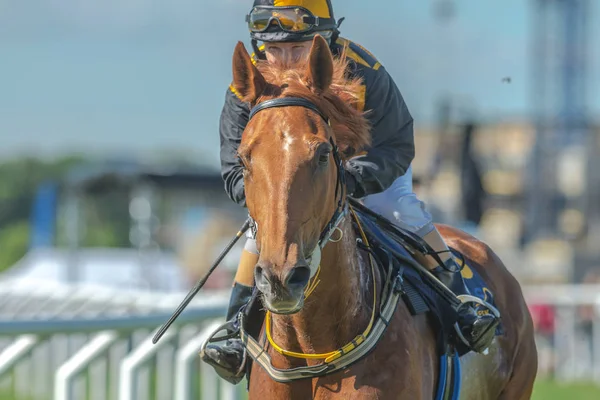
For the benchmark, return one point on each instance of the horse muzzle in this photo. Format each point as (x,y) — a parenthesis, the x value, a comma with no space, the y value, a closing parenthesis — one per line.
(282,297)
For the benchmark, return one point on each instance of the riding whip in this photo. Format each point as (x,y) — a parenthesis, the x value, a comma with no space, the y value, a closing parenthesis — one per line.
(194,291)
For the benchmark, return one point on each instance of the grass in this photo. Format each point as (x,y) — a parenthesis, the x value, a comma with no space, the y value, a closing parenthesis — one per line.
(544,390)
(550,390)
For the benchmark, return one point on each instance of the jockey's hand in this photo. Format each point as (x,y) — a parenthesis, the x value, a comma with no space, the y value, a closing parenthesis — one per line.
(350,183)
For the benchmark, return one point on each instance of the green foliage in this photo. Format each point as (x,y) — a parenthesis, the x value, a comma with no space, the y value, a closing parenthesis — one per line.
(13,243)
(19,180)
(104,208)
(107,219)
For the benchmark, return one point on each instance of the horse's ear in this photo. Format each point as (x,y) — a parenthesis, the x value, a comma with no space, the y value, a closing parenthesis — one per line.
(247,79)
(320,65)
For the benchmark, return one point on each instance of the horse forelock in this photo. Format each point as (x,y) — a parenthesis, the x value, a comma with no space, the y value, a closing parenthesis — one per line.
(340,102)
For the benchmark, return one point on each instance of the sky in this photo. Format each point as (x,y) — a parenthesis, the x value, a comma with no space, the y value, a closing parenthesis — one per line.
(134,77)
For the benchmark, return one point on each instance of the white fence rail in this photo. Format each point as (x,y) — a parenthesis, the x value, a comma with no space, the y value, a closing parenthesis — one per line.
(569,350)
(64,343)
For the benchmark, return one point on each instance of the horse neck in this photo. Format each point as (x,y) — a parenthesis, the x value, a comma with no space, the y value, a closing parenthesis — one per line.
(338,309)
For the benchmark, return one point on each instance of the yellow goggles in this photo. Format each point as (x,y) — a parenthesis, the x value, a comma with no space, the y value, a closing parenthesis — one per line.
(290,19)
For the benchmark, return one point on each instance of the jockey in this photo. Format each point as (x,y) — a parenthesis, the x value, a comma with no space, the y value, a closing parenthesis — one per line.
(381,176)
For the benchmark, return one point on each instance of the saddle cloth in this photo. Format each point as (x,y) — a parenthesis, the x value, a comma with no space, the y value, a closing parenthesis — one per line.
(420,296)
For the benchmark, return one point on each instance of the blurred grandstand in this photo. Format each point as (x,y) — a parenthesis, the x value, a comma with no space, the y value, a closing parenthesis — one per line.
(174,218)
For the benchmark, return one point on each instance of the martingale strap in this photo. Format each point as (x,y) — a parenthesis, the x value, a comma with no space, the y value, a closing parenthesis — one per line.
(261,357)
(332,355)
(338,359)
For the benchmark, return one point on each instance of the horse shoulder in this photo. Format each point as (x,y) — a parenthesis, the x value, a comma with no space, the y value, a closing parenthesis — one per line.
(408,351)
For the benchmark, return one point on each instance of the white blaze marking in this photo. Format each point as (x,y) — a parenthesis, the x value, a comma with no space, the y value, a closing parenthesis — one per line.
(287,141)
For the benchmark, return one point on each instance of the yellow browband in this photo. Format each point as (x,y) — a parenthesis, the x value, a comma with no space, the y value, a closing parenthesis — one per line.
(333,355)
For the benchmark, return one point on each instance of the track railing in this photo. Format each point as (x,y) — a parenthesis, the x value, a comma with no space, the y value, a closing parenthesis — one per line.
(93,343)
(66,343)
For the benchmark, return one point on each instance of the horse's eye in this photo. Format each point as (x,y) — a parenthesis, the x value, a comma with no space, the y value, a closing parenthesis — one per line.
(324,157)
(242,161)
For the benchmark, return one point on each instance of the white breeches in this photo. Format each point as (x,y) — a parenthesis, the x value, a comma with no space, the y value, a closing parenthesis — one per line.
(400,205)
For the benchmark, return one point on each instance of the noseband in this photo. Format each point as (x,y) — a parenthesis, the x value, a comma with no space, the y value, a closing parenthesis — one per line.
(341,208)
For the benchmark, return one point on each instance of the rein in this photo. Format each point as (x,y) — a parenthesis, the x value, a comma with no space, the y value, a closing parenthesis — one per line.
(363,343)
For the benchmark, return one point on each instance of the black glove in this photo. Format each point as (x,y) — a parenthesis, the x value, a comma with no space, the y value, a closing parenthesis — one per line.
(351,183)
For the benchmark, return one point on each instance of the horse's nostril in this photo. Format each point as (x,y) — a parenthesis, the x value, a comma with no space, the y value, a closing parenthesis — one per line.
(261,279)
(298,276)
(259,275)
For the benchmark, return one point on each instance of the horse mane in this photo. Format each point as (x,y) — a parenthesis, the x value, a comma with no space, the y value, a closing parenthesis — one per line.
(340,102)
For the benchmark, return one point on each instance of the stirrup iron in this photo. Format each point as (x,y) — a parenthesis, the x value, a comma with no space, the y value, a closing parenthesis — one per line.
(220,370)
(467,298)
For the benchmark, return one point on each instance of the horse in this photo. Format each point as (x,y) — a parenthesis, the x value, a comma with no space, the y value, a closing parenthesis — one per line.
(320,292)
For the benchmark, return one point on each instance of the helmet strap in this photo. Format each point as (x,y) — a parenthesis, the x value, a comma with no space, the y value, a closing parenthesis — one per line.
(336,32)
(261,55)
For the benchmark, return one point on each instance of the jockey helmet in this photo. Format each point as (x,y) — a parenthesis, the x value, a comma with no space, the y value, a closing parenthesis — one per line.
(291,20)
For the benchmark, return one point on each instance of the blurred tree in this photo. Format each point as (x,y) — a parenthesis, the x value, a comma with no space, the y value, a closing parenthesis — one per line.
(19,179)
(106,216)
(13,243)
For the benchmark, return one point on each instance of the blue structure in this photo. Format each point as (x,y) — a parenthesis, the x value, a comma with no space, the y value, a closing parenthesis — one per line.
(43,216)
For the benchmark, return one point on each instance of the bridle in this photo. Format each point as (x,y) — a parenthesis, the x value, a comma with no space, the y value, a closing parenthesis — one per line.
(342,207)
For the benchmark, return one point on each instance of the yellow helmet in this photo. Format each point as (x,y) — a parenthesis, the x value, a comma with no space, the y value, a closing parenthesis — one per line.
(290,20)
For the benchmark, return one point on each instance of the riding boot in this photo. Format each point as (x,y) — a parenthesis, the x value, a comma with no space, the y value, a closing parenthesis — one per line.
(477,329)
(228,357)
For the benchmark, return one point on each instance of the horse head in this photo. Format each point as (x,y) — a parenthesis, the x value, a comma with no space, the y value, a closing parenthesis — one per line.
(303,124)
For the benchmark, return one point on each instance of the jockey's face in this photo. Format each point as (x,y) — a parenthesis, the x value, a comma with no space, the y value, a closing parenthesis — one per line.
(287,52)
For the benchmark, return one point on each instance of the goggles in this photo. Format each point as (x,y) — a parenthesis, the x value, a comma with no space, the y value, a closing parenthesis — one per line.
(292,19)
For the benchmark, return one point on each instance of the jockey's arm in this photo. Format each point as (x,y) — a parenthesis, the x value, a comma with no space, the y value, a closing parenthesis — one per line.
(234,118)
(392,149)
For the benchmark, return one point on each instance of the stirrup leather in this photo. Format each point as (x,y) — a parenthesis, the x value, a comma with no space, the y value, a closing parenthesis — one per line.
(229,326)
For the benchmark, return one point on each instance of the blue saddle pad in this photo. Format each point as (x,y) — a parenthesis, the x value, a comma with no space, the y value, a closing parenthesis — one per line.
(476,285)
(422,291)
